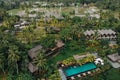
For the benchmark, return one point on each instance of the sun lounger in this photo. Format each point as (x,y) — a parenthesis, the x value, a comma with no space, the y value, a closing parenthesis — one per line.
(89,72)
(62,65)
(83,74)
(79,75)
(72,78)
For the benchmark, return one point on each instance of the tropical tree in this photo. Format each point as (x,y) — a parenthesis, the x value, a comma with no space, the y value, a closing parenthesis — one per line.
(41,63)
(2,63)
(24,76)
(55,76)
(13,57)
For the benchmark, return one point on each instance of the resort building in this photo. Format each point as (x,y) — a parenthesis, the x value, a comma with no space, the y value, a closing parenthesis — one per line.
(101,34)
(53,51)
(21,24)
(33,54)
(114,60)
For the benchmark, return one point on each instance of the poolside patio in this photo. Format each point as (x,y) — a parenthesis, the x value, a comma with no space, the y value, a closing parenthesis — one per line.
(62,75)
(114,60)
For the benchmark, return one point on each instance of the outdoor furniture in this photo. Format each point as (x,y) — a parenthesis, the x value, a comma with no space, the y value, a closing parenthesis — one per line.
(72,78)
(83,74)
(89,72)
(79,75)
(62,65)
(99,61)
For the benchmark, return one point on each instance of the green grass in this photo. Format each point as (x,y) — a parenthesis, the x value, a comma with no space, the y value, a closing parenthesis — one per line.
(113,74)
(64,54)
(14,11)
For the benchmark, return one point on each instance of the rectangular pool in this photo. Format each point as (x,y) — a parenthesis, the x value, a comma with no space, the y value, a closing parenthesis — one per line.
(70,71)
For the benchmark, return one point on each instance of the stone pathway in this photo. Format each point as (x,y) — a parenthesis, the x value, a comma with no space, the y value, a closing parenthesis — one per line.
(63,77)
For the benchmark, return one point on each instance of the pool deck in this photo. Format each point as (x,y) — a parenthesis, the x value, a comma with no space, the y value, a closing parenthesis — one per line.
(62,75)
(114,64)
(75,70)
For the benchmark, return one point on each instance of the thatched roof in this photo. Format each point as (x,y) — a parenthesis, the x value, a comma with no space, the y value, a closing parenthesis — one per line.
(114,57)
(104,33)
(34,51)
(32,68)
(77,57)
(100,32)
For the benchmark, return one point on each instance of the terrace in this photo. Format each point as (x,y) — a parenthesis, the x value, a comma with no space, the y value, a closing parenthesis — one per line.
(114,60)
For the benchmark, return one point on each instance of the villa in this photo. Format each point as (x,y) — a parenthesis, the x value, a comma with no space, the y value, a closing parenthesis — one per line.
(33,54)
(54,50)
(21,24)
(114,60)
(101,34)
(34,51)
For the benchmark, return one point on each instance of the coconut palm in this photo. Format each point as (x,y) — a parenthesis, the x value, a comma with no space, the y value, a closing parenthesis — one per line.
(41,63)
(2,59)
(13,57)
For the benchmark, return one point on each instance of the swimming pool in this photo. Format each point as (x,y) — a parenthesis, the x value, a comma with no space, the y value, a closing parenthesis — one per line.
(72,70)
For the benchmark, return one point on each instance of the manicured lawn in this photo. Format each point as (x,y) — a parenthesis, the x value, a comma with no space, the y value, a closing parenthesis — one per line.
(113,74)
(14,11)
(65,53)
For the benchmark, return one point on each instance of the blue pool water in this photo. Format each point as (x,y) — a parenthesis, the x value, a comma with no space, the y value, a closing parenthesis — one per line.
(69,71)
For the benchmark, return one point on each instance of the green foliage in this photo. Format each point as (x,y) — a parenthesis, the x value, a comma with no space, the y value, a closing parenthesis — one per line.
(48,41)
(20,76)
(89,58)
(40,61)
(24,76)
(3,14)
(55,76)
(69,61)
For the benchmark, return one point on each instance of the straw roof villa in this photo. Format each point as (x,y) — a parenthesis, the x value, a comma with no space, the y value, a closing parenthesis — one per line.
(34,51)
(102,34)
(53,51)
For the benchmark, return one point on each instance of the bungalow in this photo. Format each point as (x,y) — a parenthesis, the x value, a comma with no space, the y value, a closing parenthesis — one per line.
(53,51)
(34,51)
(102,34)
(32,15)
(33,54)
(21,24)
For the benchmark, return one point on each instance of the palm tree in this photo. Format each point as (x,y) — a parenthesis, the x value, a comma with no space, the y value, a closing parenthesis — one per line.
(2,59)
(41,63)
(13,57)
(93,44)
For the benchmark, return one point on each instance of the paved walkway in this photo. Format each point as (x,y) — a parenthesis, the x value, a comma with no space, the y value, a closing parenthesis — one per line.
(95,55)
(114,64)
(63,77)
